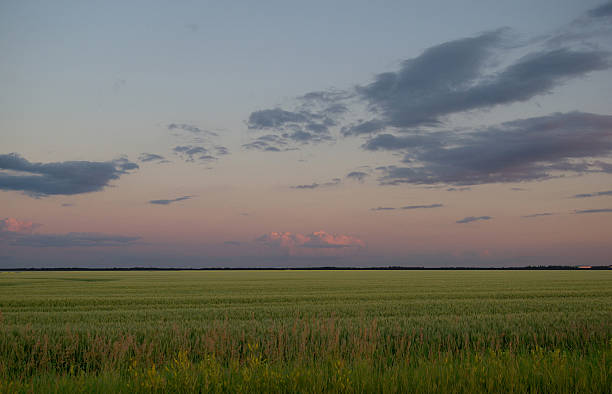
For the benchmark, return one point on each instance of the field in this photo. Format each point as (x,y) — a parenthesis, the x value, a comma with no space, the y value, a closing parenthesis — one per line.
(306,331)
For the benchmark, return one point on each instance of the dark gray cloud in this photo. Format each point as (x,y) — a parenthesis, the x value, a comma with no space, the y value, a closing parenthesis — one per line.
(408,207)
(333,182)
(422,206)
(458,76)
(605,167)
(473,219)
(190,150)
(582,211)
(311,186)
(201,147)
(326,97)
(302,136)
(432,85)
(59,178)
(309,123)
(591,30)
(416,141)
(189,128)
(451,78)
(167,202)
(521,150)
(458,189)
(603,10)
(596,194)
(301,126)
(268,143)
(408,97)
(276,119)
(357,175)
(73,240)
(364,127)
(67,204)
(221,150)
(537,215)
(147,157)
(194,153)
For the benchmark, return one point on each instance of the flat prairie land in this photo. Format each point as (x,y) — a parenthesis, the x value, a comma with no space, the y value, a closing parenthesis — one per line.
(306,331)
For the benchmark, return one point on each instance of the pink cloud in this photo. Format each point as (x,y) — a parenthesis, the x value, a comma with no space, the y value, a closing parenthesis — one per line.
(318,242)
(17,226)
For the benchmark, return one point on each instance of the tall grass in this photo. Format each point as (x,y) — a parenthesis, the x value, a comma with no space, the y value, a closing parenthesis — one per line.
(306,331)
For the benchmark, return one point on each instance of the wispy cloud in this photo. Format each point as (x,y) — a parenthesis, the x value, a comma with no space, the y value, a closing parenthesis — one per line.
(537,215)
(458,189)
(603,210)
(185,127)
(193,153)
(71,240)
(168,202)
(408,207)
(333,182)
(149,157)
(422,206)
(470,219)
(595,194)
(21,233)
(359,176)
(268,143)
(221,150)
(13,225)
(202,146)
(604,10)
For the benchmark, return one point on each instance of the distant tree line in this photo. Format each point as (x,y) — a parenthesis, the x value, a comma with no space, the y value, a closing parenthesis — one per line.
(388,268)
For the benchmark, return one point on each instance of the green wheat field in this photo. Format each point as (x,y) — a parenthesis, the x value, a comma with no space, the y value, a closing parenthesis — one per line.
(306,331)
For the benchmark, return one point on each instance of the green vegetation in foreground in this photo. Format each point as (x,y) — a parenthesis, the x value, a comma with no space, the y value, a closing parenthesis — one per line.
(306,331)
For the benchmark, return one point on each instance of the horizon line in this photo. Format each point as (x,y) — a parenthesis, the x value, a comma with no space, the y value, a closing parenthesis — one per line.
(321,268)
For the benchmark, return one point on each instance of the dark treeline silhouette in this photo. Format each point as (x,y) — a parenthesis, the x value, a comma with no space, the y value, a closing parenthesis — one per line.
(330,268)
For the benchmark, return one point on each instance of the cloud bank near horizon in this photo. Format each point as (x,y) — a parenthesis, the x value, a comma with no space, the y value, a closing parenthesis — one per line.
(15,232)
(296,244)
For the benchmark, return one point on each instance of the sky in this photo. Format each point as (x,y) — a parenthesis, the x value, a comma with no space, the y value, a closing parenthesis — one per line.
(304,134)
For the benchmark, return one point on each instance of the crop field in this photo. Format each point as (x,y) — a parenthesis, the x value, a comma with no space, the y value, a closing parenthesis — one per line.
(306,331)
